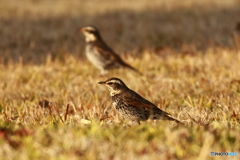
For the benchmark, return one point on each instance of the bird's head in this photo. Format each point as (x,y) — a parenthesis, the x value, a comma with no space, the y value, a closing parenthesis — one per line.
(91,33)
(115,86)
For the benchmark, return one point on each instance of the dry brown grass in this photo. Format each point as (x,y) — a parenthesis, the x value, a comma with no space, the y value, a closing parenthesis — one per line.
(188,52)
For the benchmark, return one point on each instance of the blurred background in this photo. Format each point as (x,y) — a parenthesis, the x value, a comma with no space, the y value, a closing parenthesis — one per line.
(32,29)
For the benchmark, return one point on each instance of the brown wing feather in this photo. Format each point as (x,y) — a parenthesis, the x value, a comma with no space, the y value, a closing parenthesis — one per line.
(110,55)
(133,99)
(104,50)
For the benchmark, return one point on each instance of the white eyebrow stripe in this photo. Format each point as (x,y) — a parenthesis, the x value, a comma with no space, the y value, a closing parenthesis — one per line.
(114,81)
(90,28)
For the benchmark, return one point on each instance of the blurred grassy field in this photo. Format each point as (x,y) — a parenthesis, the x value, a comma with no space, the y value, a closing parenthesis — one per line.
(189,54)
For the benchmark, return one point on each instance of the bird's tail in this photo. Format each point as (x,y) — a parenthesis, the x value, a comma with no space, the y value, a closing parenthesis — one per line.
(175,120)
(168,117)
(131,68)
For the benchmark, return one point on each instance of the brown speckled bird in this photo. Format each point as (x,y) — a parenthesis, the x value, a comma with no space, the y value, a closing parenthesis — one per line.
(99,54)
(131,105)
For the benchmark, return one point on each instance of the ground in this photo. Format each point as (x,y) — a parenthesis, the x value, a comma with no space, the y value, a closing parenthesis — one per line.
(51,106)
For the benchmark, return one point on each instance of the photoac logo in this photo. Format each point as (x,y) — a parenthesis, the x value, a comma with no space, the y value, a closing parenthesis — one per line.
(212,154)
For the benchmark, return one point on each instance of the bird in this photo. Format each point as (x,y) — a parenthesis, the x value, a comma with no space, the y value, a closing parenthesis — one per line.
(131,105)
(100,54)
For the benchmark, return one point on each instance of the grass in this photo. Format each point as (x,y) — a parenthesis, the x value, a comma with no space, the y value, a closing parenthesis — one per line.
(195,77)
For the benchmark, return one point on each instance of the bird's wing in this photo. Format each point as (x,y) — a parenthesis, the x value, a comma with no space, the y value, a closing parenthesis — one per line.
(111,56)
(134,99)
(153,112)
(105,51)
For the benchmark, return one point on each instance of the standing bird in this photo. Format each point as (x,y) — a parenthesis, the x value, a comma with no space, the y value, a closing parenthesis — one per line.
(99,54)
(131,105)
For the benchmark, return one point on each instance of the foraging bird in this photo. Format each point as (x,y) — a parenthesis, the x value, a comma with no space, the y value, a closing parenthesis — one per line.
(131,105)
(99,54)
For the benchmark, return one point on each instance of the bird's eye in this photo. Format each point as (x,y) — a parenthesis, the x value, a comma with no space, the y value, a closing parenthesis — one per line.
(110,83)
(90,31)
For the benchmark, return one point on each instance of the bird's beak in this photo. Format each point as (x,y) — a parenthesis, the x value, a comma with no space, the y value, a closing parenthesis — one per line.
(101,82)
(80,30)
